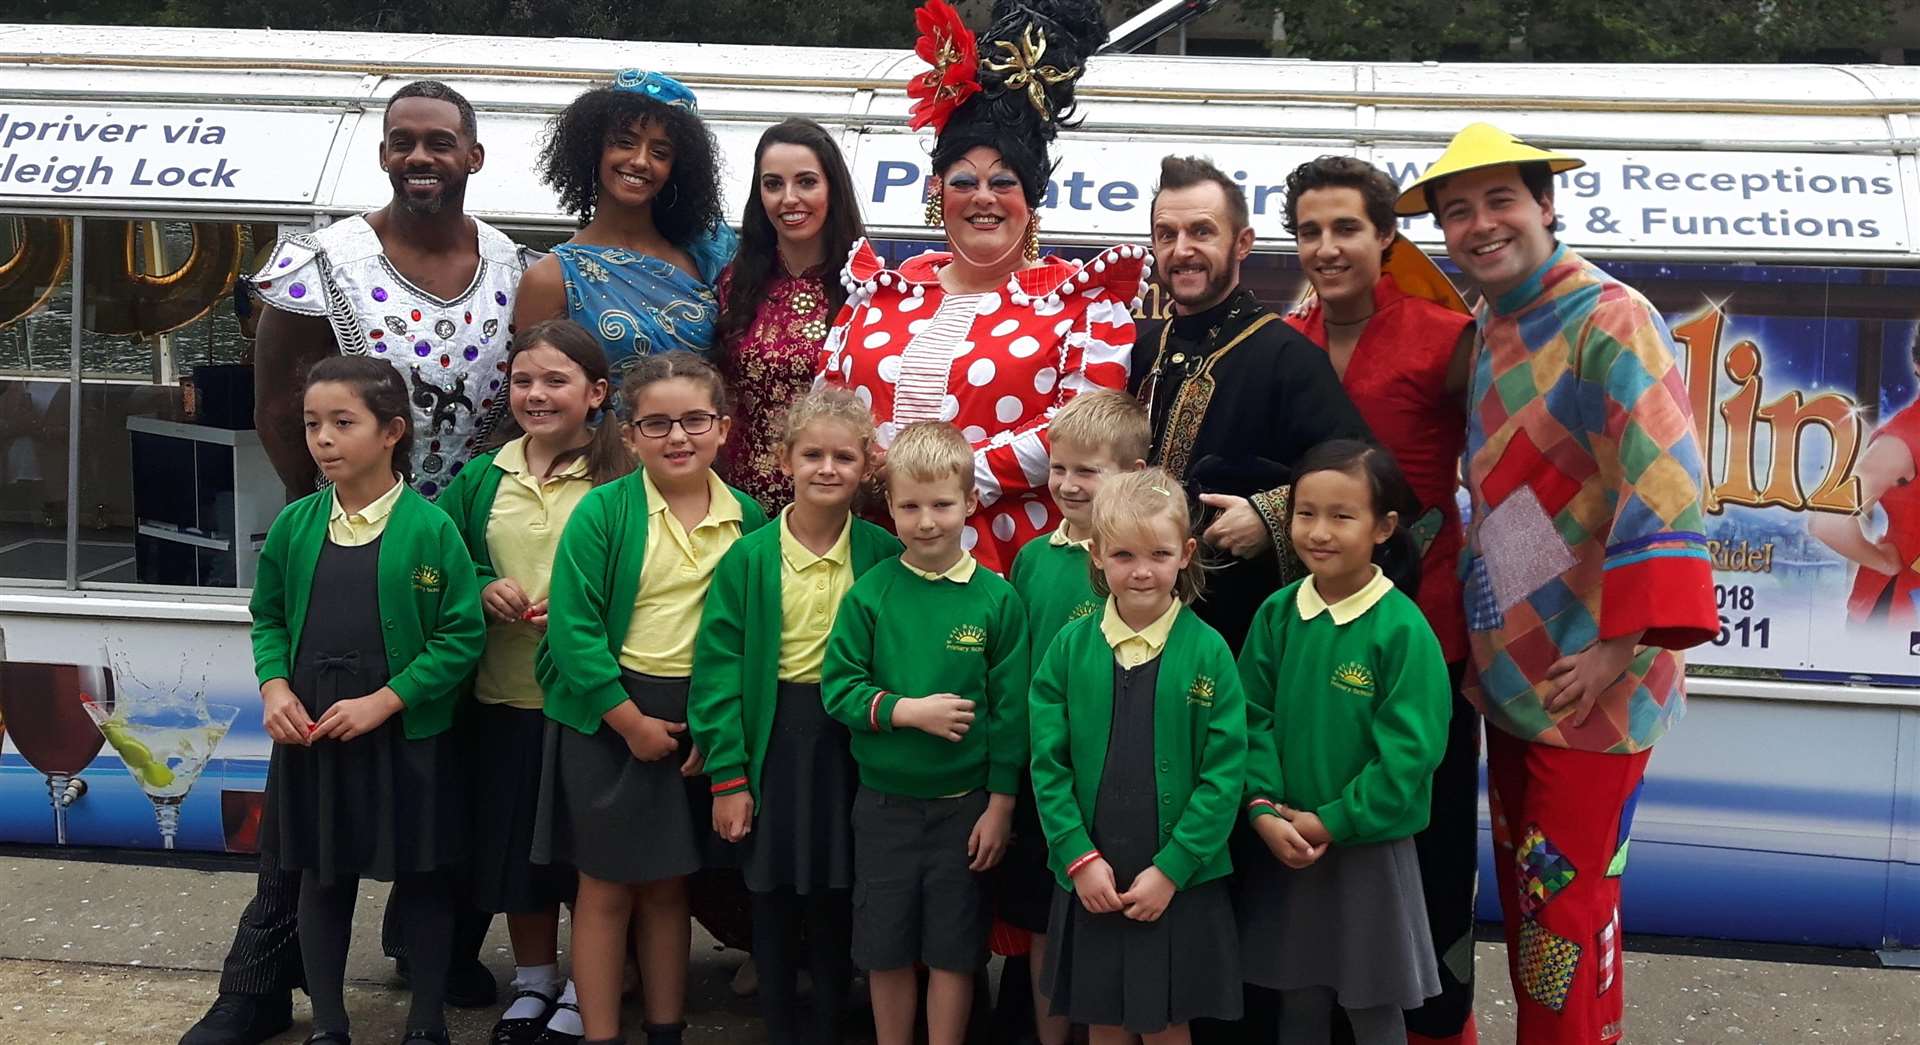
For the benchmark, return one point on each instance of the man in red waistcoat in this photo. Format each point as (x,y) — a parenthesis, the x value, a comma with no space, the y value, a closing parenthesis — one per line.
(1401,353)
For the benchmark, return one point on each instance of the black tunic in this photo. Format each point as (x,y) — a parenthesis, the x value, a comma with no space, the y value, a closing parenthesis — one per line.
(378,805)
(1106,969)
(1275,397)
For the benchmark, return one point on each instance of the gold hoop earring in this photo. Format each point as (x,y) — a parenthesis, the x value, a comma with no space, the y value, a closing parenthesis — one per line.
(935,216)
(1033,237)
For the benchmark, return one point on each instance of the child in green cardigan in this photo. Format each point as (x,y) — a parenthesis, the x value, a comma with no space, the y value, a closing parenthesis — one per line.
(927,666)
(1348,700)
(1139,744)
(1098,433)
(511,505)
(782,773)
(366,621)
(619,798)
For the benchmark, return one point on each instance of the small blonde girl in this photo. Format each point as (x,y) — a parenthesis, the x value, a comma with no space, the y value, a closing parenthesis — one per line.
(1139,741)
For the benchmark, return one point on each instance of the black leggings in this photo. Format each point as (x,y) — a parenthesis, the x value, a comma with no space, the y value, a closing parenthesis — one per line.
(780,921)
(326,929)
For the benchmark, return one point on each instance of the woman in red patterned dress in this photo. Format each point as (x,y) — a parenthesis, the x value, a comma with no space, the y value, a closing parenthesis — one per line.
(777,296)
(986,335)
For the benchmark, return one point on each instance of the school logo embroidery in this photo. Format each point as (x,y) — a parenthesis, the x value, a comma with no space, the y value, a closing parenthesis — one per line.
(1201,691)
(1085,609)
(968,638)
(1354,679)
(426,578)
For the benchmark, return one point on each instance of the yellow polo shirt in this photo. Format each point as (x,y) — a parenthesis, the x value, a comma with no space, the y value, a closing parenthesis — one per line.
(523,529)
(959,573)
(1311,605)
(1059,539)
(353,529)
(811,587)
(1134,648)
(673,583)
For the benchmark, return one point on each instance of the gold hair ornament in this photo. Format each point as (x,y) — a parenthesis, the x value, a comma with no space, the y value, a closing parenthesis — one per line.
(1023,68)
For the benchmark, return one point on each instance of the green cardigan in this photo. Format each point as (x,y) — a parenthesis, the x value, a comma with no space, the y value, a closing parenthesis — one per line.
(429,603)
(736,659)
(1199,744)
(596,582)
(468,500)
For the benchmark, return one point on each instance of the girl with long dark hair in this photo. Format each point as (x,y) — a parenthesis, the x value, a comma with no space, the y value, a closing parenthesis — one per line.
(776,300)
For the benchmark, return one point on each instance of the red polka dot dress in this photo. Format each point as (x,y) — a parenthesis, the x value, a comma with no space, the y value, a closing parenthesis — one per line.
(996,364)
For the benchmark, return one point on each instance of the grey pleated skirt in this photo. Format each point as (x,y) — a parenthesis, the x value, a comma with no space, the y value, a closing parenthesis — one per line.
(613,816)
(1355,921)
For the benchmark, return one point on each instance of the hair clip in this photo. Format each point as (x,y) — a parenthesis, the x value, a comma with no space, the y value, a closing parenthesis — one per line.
(658,86)
(1161,490)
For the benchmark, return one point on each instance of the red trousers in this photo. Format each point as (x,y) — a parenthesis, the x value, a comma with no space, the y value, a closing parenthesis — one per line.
(1560,828)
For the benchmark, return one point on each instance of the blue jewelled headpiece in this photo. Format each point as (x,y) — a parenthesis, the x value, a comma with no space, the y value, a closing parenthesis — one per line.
(658,86)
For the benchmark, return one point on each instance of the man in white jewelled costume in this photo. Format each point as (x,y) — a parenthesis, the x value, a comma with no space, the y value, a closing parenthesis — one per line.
(417,283)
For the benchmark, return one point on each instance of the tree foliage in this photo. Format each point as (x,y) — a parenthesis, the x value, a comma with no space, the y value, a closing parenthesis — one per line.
(814,23)
(1576,30)
(1360,30)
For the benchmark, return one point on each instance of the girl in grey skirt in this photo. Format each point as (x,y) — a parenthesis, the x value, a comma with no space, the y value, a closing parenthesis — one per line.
(1348,701)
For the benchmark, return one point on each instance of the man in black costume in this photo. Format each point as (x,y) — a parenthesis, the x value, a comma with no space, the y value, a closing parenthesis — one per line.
(1235,396)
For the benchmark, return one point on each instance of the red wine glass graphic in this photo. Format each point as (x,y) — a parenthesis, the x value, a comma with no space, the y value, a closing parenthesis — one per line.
(45,706)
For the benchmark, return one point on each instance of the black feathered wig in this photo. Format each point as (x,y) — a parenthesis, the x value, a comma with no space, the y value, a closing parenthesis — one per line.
(1029,60)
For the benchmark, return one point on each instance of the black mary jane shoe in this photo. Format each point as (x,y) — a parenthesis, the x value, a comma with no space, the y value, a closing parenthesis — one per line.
(524,1030)
(436,1037)
(329,1037)
(549,1036)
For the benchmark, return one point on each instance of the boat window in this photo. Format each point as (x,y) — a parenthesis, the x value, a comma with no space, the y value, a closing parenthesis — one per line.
(174,488)
(36,308)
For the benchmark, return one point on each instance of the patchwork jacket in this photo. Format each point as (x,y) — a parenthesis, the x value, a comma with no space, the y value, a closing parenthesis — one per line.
(1585,474)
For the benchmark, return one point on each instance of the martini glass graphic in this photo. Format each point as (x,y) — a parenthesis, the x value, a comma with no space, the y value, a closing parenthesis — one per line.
(45,710)
(164,745)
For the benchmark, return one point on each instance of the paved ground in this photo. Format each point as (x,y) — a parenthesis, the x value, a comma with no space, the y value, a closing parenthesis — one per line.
(95,952)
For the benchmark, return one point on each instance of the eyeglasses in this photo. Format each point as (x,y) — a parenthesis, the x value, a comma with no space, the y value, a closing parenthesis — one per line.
(657,427)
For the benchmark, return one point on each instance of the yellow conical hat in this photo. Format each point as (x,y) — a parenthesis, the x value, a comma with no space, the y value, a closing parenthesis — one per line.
(1478,145)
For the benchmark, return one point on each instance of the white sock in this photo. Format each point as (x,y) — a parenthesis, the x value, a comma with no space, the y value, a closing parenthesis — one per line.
(542,978)
(567,1021)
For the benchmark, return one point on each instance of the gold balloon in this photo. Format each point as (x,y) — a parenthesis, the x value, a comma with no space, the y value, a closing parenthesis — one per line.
(128,294)
(36,267)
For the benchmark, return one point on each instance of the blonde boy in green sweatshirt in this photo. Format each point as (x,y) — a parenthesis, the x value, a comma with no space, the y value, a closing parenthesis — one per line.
(926,647)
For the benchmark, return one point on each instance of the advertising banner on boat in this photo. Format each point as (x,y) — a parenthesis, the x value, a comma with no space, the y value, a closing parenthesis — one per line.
(1772,201)
(130,733)
(1804,392)
(162,153)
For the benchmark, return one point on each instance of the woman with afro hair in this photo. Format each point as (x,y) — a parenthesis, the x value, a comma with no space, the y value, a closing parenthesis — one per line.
(637,166)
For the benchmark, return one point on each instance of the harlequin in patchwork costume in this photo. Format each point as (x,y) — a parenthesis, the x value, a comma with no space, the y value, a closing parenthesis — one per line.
(1585,476)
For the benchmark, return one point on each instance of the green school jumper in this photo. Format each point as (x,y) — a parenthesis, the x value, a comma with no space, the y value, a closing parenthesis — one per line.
(596,582)
(1056,588)
(1346,721)
(1199,741)
(901,635)
(429,603)
(736,658)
